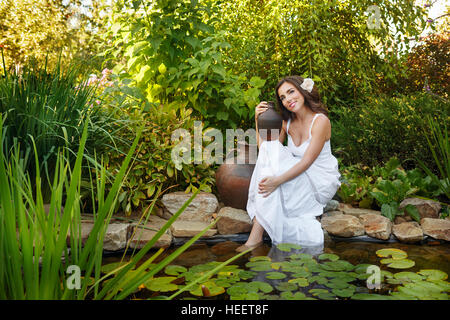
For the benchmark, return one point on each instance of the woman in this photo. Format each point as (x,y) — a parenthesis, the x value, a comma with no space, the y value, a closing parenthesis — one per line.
(286,204)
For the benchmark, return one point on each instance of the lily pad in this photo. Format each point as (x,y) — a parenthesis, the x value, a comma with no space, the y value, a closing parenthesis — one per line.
(287,286)
(245,274)
(408,276)
(301,256)
(301,282)
(174,270)
(326,296)
(260,258)
(318,279)
(161,284)
(210,289)
(403,296)
(237,289)
(275,265)
(288,295)
(370,296)
(392,252)
(445,285)
(288,247)
(259,265)
(107,268)
(344,293)
(256,286)
(340,265)
(317,291)
(362,268)
(401,264)
(301,274)
(328,256)
(336,284)
(433,274)
(275,275)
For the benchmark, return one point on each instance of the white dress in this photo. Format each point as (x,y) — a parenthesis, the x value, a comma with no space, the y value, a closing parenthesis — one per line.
(289,213)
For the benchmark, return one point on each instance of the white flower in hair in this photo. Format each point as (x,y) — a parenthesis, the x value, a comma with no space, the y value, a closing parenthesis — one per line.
(307,84)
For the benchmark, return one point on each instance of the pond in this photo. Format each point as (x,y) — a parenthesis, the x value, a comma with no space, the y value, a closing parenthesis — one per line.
(336,271)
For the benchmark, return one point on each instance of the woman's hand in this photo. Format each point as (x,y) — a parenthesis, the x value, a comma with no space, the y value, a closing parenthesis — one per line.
(260,108)
(268,184)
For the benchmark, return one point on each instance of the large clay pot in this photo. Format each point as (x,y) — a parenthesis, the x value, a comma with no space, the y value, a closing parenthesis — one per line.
(270,119)
(233,179)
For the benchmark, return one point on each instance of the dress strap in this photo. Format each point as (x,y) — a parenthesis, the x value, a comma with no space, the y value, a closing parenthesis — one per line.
(312,122)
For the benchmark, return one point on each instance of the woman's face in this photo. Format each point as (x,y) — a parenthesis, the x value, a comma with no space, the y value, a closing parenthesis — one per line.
(290,97)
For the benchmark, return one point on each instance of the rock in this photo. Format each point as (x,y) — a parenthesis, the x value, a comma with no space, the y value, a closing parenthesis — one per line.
(436,228)
(332,205)
(142,236)
(376,226)
(330,214)
(163,213)
(116,236)
(426,208)
(182,228)
(233,221)
(343,225)
(402,219)
(408,232)
(86,228)
(200,209)
(357,212)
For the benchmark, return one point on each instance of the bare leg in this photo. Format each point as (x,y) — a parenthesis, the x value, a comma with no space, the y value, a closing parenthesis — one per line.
(256,235)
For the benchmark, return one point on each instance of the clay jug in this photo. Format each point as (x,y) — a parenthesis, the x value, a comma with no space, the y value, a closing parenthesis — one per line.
(233,179)
(270,119)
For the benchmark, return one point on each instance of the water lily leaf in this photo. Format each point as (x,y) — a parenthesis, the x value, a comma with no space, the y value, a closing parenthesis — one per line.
(301,282)
(275,275)
(386,274)
(318,279)
(174,270)
(362,268)
(288,295)
(237,289)
(262,286)
(210,288)
(340,265)
(276,265)
(301,273)
(428,286)
(245,274)
(370,296)
(433,274)
(107,268)
(328,256)
(260,258)
(252,296)
(418,292)
(402,264)
(403,296)
(301,256)
(224,282)
(408,276)
(344,293)
(162,284)
(392,252)
(287,286)
(445,285)
(336,284)
(259,265)
(326,296)
(288,247)
(317,291)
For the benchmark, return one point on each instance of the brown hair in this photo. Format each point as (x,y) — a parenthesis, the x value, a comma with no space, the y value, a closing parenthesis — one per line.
(312,99)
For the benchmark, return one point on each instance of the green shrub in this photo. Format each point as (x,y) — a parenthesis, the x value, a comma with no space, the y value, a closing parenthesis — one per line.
(46,108)
(386,127)
(152,164)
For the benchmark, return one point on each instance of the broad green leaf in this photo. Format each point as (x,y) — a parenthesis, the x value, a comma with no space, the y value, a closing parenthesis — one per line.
(275,275)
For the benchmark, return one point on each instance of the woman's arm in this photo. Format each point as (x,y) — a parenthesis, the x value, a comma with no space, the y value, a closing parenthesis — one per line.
(318,137)
(319,132)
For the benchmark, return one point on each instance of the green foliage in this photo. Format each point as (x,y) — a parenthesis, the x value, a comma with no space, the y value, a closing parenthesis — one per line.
(43,30)
(386,127)
(153,164)
(170,54)
(329,41)
(45,108)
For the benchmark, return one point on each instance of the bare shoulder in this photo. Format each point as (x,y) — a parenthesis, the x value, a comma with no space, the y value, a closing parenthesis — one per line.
(322,126)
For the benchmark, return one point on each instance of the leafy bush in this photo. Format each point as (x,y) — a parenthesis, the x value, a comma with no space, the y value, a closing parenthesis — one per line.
(152,162)
(168,54)
(385,187)
(46,108)
(387,127)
